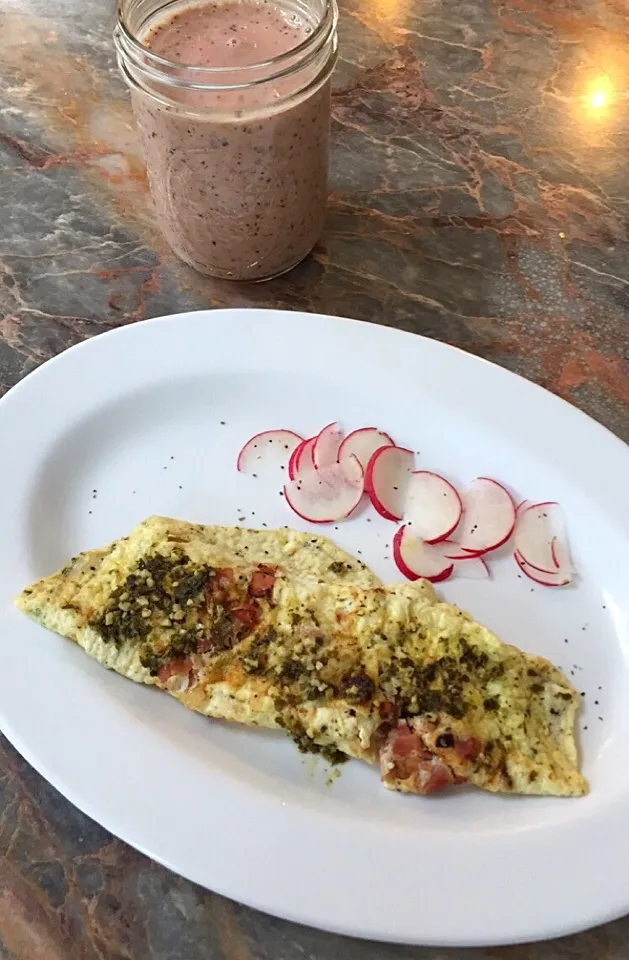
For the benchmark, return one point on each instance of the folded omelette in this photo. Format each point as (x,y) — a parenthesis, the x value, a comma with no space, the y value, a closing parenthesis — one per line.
(284,630)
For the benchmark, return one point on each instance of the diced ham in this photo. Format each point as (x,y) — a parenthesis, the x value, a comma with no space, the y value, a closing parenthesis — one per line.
(224,578)
(174,668)
(468,749)
(434,776)
(406,757)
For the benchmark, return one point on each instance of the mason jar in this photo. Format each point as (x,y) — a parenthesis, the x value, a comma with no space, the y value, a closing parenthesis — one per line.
(237,156)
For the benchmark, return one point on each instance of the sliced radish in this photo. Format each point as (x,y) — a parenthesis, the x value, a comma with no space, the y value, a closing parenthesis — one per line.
(454,550)
(328,494)
(471,568)
(561,554)
(326,446)
(363,443)
(540,538)
(291,462)
(268,450)
(386,480)
(302,457)
(488,516)
(433,506)
(548,578)
(415,558)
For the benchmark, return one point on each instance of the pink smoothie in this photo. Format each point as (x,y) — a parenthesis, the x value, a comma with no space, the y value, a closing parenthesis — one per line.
(239,178)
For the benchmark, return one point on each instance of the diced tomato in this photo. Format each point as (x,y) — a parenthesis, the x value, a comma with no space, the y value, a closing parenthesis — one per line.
(249,615)
(262,581)
(387,711)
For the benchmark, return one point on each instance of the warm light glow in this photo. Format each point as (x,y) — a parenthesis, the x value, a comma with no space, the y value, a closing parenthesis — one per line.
(600,93)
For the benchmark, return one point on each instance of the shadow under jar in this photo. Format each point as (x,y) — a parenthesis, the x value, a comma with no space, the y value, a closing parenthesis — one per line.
(233,103)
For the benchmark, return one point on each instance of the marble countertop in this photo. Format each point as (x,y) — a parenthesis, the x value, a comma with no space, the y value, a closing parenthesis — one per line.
(480,195)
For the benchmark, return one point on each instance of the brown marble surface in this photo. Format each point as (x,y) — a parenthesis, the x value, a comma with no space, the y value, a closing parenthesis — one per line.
(480,195)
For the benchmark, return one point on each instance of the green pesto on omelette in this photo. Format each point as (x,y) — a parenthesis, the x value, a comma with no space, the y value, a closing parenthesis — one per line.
(284,630)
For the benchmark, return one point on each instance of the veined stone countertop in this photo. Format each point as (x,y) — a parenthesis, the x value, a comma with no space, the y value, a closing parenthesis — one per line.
(480,195)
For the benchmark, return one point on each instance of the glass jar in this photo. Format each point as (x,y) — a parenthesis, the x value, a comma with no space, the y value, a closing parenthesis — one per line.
(237,156)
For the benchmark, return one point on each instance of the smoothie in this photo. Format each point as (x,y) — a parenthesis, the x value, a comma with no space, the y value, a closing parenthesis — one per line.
(239,176)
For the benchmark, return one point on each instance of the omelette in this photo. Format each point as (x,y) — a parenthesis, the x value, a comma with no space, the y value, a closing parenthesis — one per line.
(283,630)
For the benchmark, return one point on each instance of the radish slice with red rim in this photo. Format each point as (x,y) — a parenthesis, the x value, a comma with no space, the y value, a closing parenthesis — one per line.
(540,538)
(293,459)
(549,578)
(326,446)
(454,550)
(433,507)
(416,559)
(363,443)
(386,480)
(301,461)
(488,516)
(471,568)
(561,554)
(271,449)
(328,494)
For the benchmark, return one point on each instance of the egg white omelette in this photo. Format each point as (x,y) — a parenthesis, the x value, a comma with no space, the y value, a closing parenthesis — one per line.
(281,629)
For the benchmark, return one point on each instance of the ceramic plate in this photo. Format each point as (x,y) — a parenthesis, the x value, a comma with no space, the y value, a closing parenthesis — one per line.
(149,419)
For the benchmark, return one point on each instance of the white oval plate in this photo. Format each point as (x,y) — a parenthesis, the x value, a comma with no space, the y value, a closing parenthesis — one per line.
(149,419)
